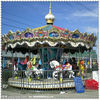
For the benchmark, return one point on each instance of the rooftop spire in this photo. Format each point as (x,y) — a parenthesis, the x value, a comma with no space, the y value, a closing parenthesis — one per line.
(50,17)
(50,9)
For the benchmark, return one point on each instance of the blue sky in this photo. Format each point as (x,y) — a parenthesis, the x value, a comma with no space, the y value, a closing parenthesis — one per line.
(70,15)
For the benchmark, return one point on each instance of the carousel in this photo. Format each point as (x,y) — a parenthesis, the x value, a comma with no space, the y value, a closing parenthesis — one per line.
(46,69)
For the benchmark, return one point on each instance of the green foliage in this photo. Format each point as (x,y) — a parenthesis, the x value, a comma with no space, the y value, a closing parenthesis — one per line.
(5,76)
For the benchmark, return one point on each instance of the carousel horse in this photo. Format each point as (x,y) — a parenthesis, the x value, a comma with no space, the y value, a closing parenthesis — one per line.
(33,71)
(37,71)
(28,71)
(58,68)
(56,71)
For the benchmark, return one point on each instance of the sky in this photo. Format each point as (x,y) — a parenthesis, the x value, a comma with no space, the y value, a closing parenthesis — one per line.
(69,15)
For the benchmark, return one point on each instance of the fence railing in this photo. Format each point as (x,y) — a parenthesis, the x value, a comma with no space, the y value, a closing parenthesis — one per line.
(47,79)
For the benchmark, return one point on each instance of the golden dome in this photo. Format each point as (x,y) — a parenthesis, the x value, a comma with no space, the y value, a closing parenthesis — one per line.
(50,17)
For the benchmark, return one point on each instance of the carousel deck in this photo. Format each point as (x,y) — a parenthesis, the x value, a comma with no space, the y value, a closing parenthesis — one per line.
(42,83)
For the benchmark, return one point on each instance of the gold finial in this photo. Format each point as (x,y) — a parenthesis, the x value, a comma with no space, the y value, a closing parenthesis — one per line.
(50,17)
(50,9)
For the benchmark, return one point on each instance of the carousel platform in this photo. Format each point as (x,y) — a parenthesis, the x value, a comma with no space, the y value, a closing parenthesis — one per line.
(42,83)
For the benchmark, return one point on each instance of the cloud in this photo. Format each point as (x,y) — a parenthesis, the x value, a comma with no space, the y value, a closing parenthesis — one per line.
(59,16)
(91,29)
(93,13)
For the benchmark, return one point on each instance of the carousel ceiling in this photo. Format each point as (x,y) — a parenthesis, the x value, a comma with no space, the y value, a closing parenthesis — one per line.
(49,34)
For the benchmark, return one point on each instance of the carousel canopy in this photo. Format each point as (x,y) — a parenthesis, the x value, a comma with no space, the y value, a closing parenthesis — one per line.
(48,36)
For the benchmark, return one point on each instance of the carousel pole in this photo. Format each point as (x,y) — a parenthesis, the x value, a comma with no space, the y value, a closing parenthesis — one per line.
(76,58)
(76,64)
(29,64)
(57,52)
(39,50)
(62,49)
(42,56)
(22,80)
(61,73)
(81,54)
(29,56)
(48,72)
(89,58)
(79,58)
(12,64)
(81,71)
(76,55)
(12,58)
(69,54)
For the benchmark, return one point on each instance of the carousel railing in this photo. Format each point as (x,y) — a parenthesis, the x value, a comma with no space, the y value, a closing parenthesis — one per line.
(46,79)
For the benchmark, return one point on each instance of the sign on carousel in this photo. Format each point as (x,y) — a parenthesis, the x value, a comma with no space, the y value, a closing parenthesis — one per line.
(79,85)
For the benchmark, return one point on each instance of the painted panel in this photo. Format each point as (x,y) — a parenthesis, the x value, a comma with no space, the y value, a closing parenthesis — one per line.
(75,36)
(11,37)
(27,35)
(65,33)
(53,34)
(40,35)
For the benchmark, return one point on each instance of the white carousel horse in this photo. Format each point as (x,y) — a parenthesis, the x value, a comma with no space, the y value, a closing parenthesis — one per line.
(60,68)
(29,72)
(53,64)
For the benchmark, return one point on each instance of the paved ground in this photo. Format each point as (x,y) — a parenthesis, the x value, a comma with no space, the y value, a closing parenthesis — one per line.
(12,93)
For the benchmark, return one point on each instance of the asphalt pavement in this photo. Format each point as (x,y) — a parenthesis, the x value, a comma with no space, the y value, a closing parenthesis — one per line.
(13,93)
